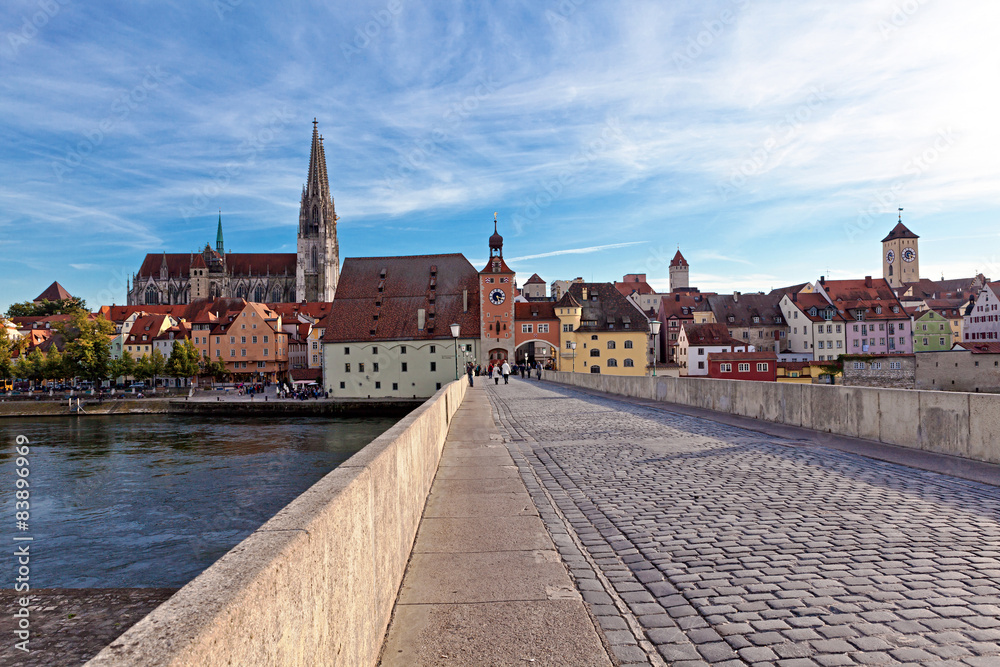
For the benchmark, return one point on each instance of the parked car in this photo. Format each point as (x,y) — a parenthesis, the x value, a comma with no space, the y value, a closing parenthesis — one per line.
(137,385)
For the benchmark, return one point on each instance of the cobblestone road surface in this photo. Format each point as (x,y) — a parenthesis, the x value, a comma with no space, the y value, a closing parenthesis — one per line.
(697,543)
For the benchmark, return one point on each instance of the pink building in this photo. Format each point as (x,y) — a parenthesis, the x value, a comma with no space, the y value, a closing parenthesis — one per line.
(876,320)
(982,323)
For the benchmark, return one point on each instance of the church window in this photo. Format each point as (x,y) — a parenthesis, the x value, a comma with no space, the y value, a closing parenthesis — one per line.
(276,294)
(315,258)
(259,294)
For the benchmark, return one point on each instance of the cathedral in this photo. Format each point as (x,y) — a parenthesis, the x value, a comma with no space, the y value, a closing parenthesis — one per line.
(309,274)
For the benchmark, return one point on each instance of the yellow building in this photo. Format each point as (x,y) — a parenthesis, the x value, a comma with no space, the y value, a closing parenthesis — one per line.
(601,331)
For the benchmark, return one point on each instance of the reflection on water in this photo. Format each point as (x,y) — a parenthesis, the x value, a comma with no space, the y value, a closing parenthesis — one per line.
(152,500)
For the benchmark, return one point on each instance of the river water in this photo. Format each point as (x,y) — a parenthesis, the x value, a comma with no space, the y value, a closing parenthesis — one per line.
(153,500)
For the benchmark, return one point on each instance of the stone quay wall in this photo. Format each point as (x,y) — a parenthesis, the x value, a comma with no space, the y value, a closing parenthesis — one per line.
(316,584)
(959,424)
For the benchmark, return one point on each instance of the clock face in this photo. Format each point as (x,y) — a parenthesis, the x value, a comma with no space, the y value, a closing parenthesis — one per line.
(497,297)
(890,256)
(909,255)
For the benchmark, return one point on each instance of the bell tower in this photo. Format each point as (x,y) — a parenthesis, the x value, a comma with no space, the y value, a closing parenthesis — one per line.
(496,305)
(900,255)
(317,265)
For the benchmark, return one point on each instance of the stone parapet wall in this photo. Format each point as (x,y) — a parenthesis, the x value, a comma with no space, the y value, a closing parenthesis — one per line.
(316,584)
(959,424)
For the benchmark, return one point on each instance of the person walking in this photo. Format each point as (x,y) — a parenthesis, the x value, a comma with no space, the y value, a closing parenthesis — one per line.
(506,371)
(469,369)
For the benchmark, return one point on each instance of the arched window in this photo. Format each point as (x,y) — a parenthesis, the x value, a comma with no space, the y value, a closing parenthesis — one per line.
(628,363)
(276,295)
(258,294)
(611,344)
(595,369)
(315,258)
(241,292)
(314,220)
(612,363)
(152,296)
(628,345)
(595,352)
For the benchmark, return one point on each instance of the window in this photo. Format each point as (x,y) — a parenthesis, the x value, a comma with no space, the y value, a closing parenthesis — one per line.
(243,352)
(762,368)
(342,385)
(347,350)
(361,367)
(433,349)
(526,328)
(612,362)
(404,367)
(402,349)
(611,344)
(217,340)
(628,345)
(347,368)
(254,340)
(726,368)
(859,365)
(756,320)
(434,366)
(543,328)
(265,340)
(374,350)
(567,328)
(894,365)
(744,368)
(375,367)
(594,352)
(701,364)
(315,359)
(265,352)
(628,363)
(876,365)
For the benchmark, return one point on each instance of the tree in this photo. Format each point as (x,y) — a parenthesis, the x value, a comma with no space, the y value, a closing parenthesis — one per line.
(45,307)
(35,366)
(157,364)
(217,369)
(184,358)
(122,367)
(55,366)
(141,369)
(21,368)
(88,345)
(6,350)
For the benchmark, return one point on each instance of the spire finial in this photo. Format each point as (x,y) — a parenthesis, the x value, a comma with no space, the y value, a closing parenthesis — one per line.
(494,221)
(900,213)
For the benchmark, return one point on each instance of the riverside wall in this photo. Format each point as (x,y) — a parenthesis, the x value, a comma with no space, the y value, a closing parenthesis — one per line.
(316,584)
(959,424)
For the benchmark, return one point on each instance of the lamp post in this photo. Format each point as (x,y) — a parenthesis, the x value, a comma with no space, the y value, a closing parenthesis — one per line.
(572,346)
(654,328)
(454,334)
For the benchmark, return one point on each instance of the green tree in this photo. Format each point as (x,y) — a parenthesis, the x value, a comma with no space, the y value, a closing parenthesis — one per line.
(55,366)
(141,369)
(88,346)
(184,358)
(216,369)
(21,368)
(122,367)
(157,364)
(6,350)
(44,307)
(35,366)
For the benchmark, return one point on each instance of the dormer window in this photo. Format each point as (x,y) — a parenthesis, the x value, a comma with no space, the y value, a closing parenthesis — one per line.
(878,310)
(731,318)
(756,320)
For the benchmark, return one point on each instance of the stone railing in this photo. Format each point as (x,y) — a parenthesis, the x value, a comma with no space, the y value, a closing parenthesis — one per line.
(316,584)
(966,425)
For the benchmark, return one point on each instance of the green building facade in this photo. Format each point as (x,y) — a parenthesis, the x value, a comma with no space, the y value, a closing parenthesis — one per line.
(931,332)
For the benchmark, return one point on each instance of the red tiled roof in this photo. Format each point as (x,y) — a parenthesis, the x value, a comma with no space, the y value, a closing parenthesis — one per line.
(640,286)
(306,374)
(535,278)
(794,365)
(535,310)
(315,309)
(981,348)
(609,311)
(710,334)
(868,294)
(805,301)
(900,232)
(742,356)
(394,288)
(54,292)
(678,259)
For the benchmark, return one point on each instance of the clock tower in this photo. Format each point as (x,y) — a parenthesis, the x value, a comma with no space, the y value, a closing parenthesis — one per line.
(496,305)
(900,256)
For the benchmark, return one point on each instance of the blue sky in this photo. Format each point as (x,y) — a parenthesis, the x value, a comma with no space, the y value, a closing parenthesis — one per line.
(773,141)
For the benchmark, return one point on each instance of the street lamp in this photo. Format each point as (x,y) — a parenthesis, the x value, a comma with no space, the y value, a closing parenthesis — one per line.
(654,327)
(454,334)
(572,346)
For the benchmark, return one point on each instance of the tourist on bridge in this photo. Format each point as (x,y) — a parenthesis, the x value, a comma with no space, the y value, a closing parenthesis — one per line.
(469,369)
(506,371)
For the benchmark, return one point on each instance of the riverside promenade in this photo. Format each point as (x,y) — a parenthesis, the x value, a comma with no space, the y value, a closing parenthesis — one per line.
(696,539)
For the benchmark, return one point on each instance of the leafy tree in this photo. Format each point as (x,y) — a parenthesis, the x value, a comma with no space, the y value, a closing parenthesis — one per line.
(141,369)
(157,364)
(217,369)
(6,350)
(22,368)
(45,307)
(35,366)
(55,366)
(88,346)
(184,358)
(122,367)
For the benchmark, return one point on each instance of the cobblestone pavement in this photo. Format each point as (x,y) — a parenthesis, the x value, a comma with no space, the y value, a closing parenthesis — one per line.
(697,543)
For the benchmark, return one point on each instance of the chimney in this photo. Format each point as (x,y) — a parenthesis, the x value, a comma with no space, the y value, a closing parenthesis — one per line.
(795,297)
(465,301)
(868,281)
(736,297)
(421,317)
(822,280)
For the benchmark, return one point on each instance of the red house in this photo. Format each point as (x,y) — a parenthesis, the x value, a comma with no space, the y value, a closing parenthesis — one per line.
(760,366)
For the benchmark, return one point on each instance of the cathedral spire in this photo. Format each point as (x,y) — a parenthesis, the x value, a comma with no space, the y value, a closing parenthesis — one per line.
(218,235)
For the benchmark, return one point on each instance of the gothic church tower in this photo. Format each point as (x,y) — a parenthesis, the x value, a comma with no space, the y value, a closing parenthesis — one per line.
(317,267)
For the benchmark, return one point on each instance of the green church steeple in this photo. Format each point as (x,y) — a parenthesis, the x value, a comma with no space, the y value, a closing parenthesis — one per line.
(218,236)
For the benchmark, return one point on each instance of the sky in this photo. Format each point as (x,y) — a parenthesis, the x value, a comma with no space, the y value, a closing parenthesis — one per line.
(772,141)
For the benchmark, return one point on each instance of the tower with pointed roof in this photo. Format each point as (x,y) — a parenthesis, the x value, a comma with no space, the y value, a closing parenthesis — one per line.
(678,272)
(317,268)
(900,256)
(218,236)
(496,305)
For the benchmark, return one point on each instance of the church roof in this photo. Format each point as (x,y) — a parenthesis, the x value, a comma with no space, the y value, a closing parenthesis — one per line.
(238,263)
(900,232)
(678,259)
(378,299)
(54,292)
